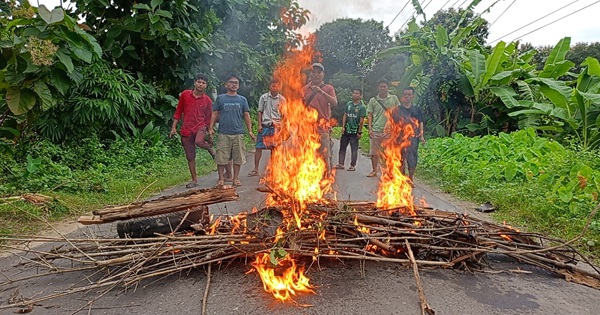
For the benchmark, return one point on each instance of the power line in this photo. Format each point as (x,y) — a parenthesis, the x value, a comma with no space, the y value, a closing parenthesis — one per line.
(395,17)
(442,8)
(413,15)
(462,3)
(501,14)
(455,4)
(518,29)
(539,28)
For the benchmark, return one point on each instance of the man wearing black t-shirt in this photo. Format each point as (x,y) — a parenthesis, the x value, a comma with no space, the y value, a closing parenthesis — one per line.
(406,113)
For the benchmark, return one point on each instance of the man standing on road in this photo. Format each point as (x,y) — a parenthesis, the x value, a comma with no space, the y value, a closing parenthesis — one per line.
(232,110)
(406,113)
(269,119)
(376,108)
(321,97)
(352,124)
(196,108)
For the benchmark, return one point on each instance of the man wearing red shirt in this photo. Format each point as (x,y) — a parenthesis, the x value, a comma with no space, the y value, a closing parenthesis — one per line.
(196,108)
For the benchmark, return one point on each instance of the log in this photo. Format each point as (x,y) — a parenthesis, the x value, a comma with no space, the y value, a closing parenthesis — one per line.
(163,205)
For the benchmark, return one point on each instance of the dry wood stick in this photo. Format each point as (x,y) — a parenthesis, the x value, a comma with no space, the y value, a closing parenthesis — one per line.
(206,290)
(425,308)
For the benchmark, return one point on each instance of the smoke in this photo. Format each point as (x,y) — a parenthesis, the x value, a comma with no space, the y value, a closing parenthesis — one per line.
(327,11)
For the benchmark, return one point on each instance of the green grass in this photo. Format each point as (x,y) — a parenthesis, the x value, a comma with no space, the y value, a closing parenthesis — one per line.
(19,217)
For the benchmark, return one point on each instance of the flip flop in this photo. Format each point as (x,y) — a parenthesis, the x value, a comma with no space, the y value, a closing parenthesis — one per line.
(351,168)
(254,173)
(372,174)
(339,167)
(191,185)
(237,183)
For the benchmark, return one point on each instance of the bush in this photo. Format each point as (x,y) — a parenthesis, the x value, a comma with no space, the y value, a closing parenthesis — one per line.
(532,179)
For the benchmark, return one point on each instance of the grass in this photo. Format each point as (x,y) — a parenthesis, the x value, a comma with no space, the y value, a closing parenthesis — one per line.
(22,218)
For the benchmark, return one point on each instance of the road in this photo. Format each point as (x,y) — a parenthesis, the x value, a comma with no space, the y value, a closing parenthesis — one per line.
(386,288)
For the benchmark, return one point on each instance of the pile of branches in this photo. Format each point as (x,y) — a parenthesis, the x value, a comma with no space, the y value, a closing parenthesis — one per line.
(330,230)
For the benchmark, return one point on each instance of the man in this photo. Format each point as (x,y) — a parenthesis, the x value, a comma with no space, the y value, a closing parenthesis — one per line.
(269,119)
(232,110)
(321,97)
(196,108)
(376,109)
(406,113)
(352,124)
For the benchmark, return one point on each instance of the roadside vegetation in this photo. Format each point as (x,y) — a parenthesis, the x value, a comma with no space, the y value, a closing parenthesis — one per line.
(85,107)
(535,182)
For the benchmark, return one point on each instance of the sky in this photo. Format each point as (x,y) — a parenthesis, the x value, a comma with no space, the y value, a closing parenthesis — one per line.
(509,25)
(583,26)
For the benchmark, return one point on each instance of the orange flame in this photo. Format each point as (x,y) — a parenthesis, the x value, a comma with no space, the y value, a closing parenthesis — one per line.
(296,171)
(282,280)
(395,189)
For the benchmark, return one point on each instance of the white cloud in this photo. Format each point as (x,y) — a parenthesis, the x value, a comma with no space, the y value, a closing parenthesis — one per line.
(583,26)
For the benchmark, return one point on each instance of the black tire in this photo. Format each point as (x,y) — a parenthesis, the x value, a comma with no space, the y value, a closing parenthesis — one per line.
(162,224)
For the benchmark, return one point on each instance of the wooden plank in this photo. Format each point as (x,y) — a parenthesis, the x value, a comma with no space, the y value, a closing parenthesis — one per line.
(168,204)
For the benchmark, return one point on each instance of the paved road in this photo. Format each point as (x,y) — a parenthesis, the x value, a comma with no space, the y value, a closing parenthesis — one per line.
(386,288)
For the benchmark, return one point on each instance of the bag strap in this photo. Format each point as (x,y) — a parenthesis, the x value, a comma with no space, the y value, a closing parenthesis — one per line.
(312,95)
(382,105)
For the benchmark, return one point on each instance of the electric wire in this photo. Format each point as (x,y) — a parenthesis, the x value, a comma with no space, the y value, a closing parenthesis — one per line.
(501,14)
(397,15)
(541,27)
(520,28)
(442,8)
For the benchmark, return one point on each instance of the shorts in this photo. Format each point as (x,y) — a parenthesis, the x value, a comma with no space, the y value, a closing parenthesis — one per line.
(376,142)
(230,147)
(410,154)
(266,138)
(196,139)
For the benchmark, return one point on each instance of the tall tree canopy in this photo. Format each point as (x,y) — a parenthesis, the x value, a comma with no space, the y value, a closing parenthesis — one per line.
(346,43)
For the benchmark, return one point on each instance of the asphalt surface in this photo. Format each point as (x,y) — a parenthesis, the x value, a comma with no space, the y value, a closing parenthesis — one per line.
(386,288)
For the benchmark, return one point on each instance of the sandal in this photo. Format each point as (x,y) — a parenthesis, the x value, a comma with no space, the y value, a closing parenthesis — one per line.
(372,174)
(351,168)
(237,183)
(191,185)
(220,184)
(339,166)
(254,173)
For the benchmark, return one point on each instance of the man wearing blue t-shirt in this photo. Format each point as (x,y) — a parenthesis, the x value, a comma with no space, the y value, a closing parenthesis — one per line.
(232,110)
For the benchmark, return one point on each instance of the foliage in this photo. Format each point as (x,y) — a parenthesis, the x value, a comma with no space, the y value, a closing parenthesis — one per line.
(345,43)
(452,19)
(109,100)
(536,180)
(190,36)
(42,53)
(89,165)
(580,52)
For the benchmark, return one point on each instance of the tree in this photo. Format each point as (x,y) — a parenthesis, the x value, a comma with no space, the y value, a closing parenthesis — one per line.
(169,41)
(581,51)
(453,19)
(346,43)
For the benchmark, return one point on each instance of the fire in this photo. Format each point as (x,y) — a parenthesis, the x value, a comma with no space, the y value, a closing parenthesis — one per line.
(296,171)
(395,189)
(283,280)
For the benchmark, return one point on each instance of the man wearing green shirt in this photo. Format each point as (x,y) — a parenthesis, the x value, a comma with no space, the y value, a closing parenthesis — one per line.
(376,108)
(352,124)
